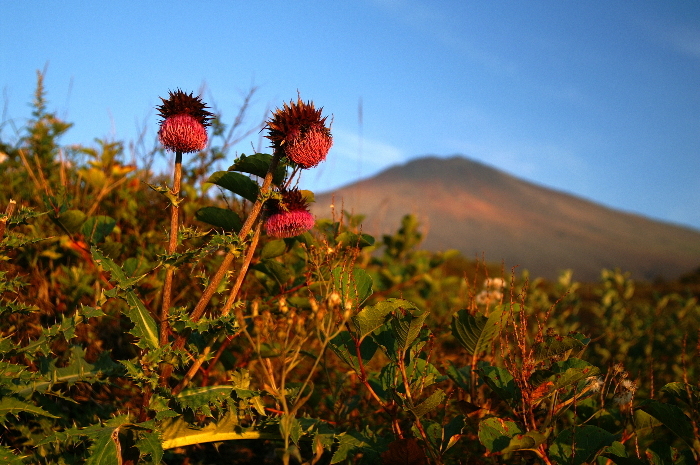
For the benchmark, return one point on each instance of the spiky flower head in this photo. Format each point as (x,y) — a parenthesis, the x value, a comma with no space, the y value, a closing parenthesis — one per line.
(184,122)
(299,130)
(289,216)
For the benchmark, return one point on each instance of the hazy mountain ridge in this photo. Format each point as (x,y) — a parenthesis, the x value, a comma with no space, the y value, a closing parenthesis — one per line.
(477,209)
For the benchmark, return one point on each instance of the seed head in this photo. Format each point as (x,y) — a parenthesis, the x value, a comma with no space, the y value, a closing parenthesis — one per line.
(301,133)
(289,216)
(185,118)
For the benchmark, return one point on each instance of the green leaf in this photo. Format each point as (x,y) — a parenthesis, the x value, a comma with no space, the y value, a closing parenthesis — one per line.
(672,417)
(500,381)
(13,406)
(149,444)
(275,270)
(373,316)
(200,398)
(8,457)
(354,288)
(406,327)
(96,228)
(429,404)
(344,347)
(581,445)
(145,328)
(222,218)
(351,239)
(236,183)
(104,450)
(475,332)
(618,454)
(565,373)
(72,220)
(496,434)
(556,345)
(273,249)
(258,165)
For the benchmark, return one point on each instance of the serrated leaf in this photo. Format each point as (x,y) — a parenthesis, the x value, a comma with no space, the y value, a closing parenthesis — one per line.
(258,165)
(220,217)
(149,444)
(475,332)
(13,406)
(236,183)
(145,328)
(104,451)
(373,316)
(273,249)
(406,327)
(8,457)
(581,445)
(198,397)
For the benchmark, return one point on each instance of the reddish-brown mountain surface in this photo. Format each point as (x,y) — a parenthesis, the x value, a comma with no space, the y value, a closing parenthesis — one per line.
(465,205)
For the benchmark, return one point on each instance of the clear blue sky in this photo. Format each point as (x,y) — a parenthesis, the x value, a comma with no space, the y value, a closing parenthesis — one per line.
(598,98)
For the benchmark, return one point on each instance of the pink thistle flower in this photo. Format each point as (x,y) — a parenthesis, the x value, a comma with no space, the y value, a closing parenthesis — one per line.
(288,217)
(185,118)
(182,133)
(299,130)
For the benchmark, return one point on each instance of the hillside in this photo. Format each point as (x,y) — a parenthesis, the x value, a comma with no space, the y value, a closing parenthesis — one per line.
(479,210)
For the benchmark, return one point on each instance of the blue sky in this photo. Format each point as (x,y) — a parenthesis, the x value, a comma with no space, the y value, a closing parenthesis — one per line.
(598,99)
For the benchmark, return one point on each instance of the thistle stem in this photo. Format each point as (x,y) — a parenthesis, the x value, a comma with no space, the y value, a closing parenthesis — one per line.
(172,246)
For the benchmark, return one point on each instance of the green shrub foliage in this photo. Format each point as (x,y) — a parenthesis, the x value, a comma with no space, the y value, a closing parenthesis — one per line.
(329,347)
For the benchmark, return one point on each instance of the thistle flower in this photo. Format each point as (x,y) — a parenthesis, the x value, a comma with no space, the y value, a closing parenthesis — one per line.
(185,118)
(289,216)
(301,133)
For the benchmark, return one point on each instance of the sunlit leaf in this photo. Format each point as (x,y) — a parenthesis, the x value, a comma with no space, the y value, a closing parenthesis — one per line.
(220,217)
(236,183)
(475,332)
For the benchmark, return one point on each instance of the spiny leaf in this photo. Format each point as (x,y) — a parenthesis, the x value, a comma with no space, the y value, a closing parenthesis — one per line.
(13,406)
(178,433)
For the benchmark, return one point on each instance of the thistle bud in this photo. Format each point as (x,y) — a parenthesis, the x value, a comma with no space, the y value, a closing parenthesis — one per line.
(299,131)
(183,128)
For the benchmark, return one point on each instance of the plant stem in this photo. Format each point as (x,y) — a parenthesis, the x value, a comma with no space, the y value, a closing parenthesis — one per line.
(172,245)
(245,229)
(242,272)
(8,213)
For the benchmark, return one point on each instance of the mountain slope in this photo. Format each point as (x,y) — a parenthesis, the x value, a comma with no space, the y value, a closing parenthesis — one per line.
(479,210)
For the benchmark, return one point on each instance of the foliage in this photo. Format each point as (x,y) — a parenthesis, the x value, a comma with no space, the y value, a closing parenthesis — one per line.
(328,347)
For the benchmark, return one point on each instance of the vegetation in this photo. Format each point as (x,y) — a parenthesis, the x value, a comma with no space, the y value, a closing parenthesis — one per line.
(325,347)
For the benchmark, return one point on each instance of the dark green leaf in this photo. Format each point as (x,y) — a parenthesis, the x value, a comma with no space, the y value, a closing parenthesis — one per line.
(258,165)
(672,417)
(96,228)
(475,332)
(72,220)
(236,183)
(501,381)
(220,217)
(354,287)
(429,404)
(273,249)
(581,445)
(556,345)
(344,347)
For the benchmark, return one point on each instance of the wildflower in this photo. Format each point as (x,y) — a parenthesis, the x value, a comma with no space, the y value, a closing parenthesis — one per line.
(301,133)
(289,216)
(185,118)
(595,383)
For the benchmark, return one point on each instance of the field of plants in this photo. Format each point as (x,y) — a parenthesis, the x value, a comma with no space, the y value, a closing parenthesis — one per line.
(204,316)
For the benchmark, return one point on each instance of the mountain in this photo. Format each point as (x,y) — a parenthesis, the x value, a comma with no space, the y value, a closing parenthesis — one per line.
(481,211)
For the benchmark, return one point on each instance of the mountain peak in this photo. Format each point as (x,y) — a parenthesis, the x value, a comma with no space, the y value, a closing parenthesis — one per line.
(466,205)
